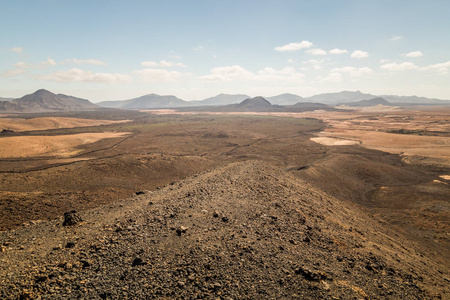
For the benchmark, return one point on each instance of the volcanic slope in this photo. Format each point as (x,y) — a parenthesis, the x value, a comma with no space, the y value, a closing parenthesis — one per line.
(248,230)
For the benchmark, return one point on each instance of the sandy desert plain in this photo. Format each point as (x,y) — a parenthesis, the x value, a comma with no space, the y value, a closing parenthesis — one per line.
(323,204)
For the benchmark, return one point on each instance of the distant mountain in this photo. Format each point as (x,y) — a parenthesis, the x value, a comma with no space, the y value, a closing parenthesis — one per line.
(221,99)
(285,99)
(254,104)
(414,100)
(341,97)
(6,99)
(309,106)
(370,102)
(45,101)
(346,97)
(149,101)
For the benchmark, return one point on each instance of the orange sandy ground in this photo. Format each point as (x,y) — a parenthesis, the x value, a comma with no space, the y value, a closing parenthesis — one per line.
(19,124)
(60,146)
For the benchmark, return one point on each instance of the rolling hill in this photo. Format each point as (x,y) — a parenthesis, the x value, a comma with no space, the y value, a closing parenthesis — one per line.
(45,101)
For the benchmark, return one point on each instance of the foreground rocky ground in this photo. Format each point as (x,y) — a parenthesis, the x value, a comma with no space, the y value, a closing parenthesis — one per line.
(248,230)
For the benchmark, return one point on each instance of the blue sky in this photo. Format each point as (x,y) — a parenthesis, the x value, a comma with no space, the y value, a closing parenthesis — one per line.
(113,50)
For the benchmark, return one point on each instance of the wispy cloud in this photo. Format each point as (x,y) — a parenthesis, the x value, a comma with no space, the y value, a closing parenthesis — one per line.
(268,74)
(294,46)
(228,73)
(352,71)
(337,51)
(359,54)
(78,75)
(414,54)
(288,74)
(42,65)
(441,68)
(316,51)
(162,64)
(16,50)
(85,61)
(396,67)
(13,73)
(151,75)
(198,48)
(331,77)
(396,38)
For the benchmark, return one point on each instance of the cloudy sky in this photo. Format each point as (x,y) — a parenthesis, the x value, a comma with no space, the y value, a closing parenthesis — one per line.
(113,50)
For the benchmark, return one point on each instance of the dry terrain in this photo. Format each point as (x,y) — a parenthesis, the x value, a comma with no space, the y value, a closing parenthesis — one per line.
(231,206)
(43,123)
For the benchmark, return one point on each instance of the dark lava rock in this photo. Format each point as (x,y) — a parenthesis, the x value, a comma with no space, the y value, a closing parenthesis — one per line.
(71,218)
(137,262)
(311,275)
(70,244)
(181,230)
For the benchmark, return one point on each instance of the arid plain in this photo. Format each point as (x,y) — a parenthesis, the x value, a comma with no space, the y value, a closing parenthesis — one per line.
(390,164)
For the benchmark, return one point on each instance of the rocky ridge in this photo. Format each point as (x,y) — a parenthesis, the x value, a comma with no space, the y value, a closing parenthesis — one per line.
(248,230)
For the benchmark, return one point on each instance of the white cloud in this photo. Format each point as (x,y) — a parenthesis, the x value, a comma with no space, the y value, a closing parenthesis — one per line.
(359,54)
(85,61)
(198,48)
(352,71)
(414,54)
(158,75)
(228,73)
(316,51)
(314,63)
(441,68)
(399,67)
(42,65)
(13,73)
(396,38)
(290,61)
(16,50)
(286,74)
(337,51)
(384,60)
(77,75)
(294,46)
(331,77)
(237,73)
(162,63)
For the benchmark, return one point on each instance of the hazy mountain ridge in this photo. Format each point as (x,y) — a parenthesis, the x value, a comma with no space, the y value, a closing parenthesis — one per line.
(370,102)
(45,101)
(146,102)
(285,99)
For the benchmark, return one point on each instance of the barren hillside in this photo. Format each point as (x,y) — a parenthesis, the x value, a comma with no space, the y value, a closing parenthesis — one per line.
(248,230)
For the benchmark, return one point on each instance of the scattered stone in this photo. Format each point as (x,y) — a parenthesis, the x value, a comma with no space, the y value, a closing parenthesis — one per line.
(70,244)
(137,262)
(224,219)
(85,264)
(41,278)
(140,193)
(311,275)
(215,214)
(182,229)
(71,218)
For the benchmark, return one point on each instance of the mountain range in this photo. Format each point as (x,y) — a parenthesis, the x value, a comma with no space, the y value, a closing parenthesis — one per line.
(45,101)
(344,97)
